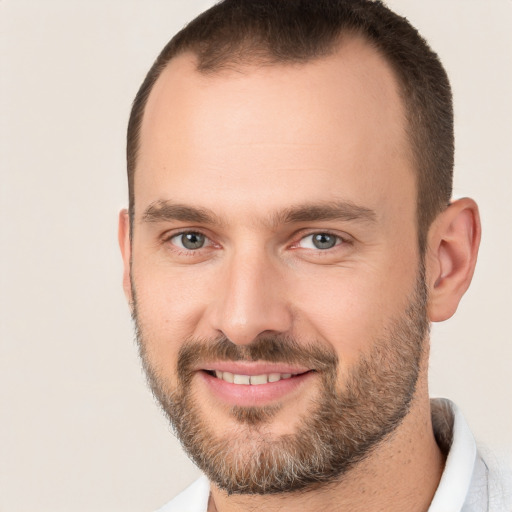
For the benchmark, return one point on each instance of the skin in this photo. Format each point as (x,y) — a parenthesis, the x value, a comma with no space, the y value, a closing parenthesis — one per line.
(248,145)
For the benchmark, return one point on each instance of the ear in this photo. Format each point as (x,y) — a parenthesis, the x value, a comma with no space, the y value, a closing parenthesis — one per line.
(126,251)
(453,242)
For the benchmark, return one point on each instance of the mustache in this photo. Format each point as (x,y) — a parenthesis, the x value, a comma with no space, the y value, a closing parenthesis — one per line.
(270,348)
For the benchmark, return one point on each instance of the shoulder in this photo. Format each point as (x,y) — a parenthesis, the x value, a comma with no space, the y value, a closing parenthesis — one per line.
(193,499)
(499,481)
(474,479)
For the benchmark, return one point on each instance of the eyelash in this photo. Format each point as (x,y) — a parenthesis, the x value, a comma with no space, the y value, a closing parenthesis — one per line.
(340,240)
(182,251)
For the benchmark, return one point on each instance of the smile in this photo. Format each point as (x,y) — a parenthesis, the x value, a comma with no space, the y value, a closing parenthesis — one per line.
(254,385)
(251,380)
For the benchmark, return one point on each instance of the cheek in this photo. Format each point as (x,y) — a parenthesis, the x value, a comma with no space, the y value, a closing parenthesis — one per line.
(351,308)
(169,307)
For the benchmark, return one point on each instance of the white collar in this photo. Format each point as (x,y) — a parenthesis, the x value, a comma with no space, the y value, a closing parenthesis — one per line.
(460,463)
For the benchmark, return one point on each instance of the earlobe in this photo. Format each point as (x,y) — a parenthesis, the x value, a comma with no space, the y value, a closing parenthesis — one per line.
(125,246)
(454,238)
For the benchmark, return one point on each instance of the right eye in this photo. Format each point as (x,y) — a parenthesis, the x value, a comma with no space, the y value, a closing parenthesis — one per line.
(190,240)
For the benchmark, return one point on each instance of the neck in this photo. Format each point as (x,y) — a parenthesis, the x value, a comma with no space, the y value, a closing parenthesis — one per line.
(400,475)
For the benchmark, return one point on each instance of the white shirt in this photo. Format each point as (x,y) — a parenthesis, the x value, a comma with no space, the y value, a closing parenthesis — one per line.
(468,484)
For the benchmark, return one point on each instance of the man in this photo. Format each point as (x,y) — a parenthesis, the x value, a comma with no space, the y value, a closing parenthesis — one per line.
(290,237)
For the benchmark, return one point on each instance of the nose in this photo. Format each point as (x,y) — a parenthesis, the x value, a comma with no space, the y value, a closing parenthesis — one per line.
(251,299)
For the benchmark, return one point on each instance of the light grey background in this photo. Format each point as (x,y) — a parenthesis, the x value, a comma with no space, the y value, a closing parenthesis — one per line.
(79,430)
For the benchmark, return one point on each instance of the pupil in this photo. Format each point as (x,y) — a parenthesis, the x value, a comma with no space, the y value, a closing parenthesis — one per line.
(192,240)
(324,241)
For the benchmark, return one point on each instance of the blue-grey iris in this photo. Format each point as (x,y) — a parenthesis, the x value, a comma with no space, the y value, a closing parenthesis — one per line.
(192,240)
(324,241)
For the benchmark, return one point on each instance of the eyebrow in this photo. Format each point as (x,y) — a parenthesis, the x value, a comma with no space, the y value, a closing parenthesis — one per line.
(337,210)
(161,211)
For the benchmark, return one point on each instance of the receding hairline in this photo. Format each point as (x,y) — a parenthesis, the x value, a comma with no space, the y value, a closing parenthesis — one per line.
(190,61)
(245,60)
(253,53)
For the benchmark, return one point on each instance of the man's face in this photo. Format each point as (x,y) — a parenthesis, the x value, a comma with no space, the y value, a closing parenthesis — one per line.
(275,235)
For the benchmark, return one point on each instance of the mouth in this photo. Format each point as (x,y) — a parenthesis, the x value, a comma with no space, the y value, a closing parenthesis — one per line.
(252,380)
(254,385)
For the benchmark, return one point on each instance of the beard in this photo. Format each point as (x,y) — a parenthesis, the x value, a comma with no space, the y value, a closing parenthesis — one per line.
(344,423)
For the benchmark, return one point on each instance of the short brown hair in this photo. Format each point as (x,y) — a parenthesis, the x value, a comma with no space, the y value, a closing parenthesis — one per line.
(236,32)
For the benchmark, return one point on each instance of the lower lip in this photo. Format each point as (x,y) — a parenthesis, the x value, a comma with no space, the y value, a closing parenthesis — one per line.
(254,395)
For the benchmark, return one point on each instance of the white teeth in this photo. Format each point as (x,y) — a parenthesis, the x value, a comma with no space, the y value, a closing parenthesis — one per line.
(258,379)
(254,380)
(228,377)
(242,379)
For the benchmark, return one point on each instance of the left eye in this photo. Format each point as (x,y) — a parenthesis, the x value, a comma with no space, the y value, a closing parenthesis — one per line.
(189,241)
(319,241)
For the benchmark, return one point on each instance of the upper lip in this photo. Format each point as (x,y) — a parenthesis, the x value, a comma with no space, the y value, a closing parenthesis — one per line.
(254,368)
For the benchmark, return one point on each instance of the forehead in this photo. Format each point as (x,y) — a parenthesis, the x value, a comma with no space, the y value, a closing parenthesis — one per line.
(334,124)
